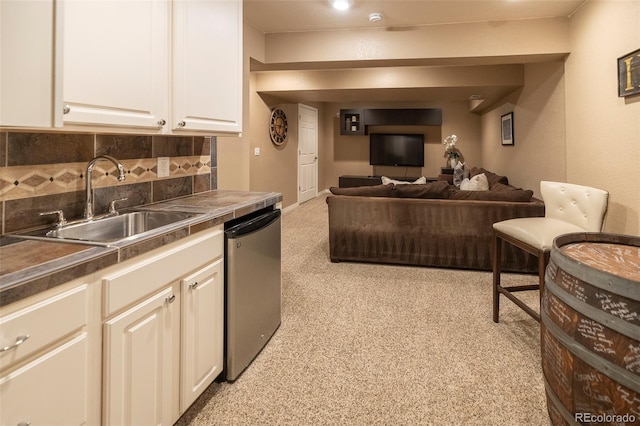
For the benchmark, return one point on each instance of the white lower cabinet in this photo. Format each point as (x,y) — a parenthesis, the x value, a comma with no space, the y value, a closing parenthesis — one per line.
(163,330)
(133,344)
(50,390)
(202,331)
(50,358)
(141,362)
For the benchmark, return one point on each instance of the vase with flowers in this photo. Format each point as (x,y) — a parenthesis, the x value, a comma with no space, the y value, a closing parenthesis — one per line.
(451,153)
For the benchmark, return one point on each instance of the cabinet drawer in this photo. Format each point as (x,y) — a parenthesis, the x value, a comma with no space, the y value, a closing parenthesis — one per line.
(146,274)
(43,322)
(50,390)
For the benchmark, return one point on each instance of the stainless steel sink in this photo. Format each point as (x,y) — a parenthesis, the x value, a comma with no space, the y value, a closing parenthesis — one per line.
(112,229)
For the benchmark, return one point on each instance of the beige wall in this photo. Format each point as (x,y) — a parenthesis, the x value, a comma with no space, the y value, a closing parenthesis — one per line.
(569,124)
(275,169)
(538,152)
(233,152)
(469,40)
(603,130)
(349,155)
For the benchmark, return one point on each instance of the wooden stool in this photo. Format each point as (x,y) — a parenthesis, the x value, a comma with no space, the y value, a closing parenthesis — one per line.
(568,208)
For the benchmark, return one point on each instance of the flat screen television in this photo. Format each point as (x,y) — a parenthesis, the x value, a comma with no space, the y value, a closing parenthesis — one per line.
(396,149)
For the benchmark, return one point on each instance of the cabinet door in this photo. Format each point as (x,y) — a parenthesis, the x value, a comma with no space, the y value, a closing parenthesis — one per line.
(30,75)
(51,390)
(207,66)
(141,349)
(203,332)
(115,63)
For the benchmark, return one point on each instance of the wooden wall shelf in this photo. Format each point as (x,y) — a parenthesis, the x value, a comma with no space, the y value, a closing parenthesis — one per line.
(352,122)
(356,121)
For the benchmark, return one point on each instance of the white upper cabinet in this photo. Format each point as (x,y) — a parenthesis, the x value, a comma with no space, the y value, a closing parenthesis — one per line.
(115,63)
(30,75)
(147,66)
(207,66)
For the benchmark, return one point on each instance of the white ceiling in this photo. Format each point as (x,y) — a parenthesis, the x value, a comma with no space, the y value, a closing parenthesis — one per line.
(273,16)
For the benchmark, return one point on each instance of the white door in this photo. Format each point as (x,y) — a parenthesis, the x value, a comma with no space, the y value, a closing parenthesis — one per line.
(307,153)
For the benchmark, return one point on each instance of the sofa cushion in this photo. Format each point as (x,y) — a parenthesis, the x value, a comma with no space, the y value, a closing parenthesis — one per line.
(515,195)
(365,191)
(502,187)
(439,189)
(446,178)
(419,181)
(491,177)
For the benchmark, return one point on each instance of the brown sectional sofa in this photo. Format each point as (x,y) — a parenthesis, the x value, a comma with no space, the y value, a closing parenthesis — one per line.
(428,225)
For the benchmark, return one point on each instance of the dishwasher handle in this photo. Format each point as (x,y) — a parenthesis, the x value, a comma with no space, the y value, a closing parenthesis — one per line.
(254,224)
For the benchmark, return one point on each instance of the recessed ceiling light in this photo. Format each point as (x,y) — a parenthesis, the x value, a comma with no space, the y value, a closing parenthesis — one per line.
(341,4)
(375,17)
(472,97)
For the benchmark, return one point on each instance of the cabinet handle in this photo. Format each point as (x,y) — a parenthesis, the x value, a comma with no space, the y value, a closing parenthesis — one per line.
(193,285)
(171,298)
(66,109)
(162,122)
(182,123)
(19,340)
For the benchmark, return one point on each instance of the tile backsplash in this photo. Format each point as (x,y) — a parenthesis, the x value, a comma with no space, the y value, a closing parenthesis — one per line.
(41,172)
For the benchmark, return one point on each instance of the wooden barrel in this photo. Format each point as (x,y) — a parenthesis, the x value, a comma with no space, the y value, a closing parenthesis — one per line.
(590,330)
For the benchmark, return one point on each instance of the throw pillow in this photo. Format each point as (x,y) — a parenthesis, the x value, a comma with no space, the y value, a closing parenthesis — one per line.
(464,185)
(458,174)
(439,189)
(478,183)
(365,191)
(421,180)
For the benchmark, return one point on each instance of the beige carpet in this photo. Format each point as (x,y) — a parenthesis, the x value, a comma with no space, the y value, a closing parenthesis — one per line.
(367,344)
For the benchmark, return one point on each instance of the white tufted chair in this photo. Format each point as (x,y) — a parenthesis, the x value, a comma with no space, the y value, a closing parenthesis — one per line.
(568,208)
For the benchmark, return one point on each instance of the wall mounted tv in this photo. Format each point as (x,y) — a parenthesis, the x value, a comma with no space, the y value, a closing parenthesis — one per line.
(396,150)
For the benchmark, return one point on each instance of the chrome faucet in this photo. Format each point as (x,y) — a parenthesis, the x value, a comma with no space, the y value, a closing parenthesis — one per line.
(88,207)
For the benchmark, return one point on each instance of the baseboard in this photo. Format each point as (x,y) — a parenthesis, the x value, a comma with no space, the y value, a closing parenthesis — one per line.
(296,204)
(290,207)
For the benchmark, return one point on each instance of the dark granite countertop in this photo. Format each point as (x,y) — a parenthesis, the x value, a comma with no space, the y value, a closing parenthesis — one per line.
(28,267)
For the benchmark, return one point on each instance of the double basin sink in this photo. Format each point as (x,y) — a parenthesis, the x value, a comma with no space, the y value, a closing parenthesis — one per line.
(111,229)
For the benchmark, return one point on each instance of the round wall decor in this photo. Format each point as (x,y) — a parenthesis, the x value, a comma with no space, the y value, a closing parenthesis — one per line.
(278,126)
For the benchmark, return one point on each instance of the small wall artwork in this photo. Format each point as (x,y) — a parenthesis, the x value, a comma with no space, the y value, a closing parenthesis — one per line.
(629,74)
(507,129)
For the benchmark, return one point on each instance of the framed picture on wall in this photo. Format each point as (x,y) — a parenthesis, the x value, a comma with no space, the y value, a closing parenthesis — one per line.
(629,74)
(507,129)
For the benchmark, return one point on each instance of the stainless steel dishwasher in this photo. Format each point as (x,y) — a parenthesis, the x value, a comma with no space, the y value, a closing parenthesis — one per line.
(252,287)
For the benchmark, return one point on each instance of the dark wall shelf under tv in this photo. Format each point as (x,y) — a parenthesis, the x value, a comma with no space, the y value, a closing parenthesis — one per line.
(355,121)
